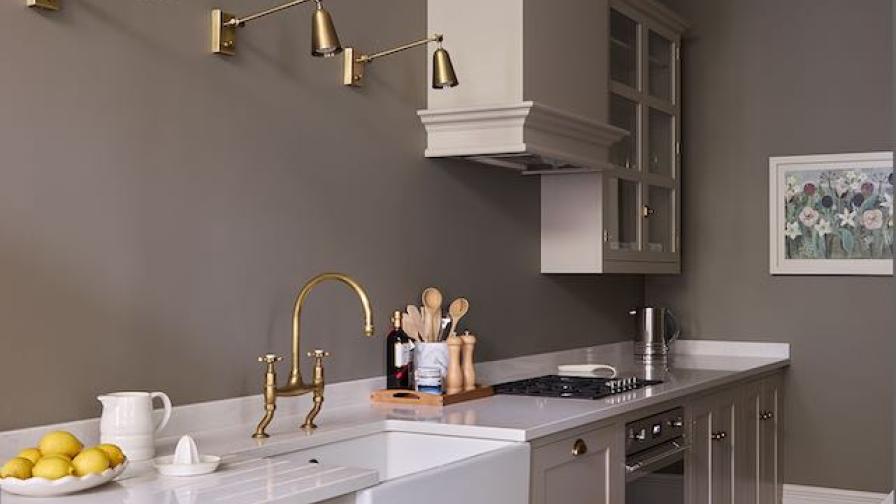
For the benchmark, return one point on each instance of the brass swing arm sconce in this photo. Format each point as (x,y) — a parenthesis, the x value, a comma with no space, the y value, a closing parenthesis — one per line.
(324,40)
(442,70)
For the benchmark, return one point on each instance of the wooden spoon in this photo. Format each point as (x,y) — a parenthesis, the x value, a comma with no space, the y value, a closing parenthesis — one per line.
(457,309)
(411,322)
(415,321)
(432,308)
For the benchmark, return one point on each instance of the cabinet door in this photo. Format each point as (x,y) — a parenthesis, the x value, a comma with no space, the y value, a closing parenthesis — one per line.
(769,487)
(642,209)
(709,465)
(698,462)
(722,441)
(660,214)
(746,456)
(623,202)
(584,469)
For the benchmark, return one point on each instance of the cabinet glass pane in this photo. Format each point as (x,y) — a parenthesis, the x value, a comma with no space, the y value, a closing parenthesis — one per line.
(624,114)
(623,49)
(660,219)
(660,143)
(624,231)
(659,68)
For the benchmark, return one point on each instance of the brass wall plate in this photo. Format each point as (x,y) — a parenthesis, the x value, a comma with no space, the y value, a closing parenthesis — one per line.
(223,37)
(352,71)
(44,4)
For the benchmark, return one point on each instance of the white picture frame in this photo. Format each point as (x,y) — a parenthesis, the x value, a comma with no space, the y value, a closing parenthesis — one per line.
(821,231)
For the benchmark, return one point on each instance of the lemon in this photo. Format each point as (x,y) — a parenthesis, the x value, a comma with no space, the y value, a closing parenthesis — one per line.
(59,442)
(89,461)
(17,467)
(52,468)
(58,455)
(32,454)
(116,456)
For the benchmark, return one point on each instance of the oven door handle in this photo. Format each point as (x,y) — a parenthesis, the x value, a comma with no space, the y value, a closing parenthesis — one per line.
(646,464)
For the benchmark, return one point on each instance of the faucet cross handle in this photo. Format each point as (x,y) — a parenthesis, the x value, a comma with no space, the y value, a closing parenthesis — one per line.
(270,359)
(318,354)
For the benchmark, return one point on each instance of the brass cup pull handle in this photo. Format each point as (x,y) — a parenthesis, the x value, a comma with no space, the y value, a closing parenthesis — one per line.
(579,448)
(647,211)
(718,436)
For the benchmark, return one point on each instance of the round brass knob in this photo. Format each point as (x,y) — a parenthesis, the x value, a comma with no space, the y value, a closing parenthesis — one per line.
(579,448)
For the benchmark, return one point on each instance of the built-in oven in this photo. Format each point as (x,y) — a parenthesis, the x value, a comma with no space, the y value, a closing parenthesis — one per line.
(654,459)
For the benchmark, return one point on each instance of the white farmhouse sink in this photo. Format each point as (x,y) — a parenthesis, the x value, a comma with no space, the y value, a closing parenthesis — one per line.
(416,468)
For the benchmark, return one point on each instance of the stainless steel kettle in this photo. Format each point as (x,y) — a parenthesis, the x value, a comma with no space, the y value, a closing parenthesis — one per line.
(657,328)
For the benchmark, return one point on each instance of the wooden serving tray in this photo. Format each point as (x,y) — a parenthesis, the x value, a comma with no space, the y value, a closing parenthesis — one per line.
(401,396)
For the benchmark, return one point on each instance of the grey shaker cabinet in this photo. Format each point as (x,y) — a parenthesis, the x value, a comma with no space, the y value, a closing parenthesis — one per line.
(583,468)
(734,445)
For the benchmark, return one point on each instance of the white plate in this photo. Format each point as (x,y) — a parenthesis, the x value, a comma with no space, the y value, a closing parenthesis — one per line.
(42,487)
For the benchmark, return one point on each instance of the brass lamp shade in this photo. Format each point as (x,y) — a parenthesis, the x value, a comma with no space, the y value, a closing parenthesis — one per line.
(442,70)
(324,40)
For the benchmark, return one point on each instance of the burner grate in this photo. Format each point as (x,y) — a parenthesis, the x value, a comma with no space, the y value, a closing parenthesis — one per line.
(572,387)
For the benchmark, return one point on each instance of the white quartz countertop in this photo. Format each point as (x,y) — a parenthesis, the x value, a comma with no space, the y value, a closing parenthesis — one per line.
(350,414)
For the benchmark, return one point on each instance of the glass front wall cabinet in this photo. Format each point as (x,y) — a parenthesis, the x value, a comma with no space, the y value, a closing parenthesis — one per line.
(642,206)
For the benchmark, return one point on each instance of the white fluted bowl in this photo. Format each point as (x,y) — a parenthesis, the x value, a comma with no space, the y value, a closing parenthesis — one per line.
(42,487)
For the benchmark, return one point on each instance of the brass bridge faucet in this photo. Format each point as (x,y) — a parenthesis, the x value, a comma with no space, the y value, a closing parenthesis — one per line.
(295,386)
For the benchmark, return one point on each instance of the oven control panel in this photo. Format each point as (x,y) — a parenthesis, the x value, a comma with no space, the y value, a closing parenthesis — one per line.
(654,430)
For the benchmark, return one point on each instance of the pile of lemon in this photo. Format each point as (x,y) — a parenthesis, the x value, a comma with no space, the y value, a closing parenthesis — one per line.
(60,454)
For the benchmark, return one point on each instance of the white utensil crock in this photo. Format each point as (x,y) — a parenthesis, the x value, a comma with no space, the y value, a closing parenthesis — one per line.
(127,422)
(433,355)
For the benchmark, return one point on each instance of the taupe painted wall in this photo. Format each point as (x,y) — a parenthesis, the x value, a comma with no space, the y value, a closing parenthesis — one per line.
(160,206)
(765,78)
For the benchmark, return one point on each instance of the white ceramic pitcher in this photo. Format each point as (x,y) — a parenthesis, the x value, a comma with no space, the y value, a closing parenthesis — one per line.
(127,422)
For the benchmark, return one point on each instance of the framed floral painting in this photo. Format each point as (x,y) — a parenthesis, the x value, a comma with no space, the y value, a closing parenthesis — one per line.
(831,214)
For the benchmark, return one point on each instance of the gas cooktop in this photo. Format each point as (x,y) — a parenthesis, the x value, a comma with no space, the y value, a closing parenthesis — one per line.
(572,387)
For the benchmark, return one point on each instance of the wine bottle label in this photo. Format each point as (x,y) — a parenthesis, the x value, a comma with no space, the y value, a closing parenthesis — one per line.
(402,354)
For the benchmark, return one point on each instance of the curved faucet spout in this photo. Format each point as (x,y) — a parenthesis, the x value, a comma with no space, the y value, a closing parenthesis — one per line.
(295,385)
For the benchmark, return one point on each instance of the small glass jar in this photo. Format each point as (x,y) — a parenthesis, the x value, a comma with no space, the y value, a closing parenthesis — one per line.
(429,380)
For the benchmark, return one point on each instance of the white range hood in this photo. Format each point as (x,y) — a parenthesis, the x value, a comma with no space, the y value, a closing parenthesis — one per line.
(533,93)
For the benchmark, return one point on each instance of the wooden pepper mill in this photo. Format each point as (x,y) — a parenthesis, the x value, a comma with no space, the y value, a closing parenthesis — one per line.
(454,381)
(469,342)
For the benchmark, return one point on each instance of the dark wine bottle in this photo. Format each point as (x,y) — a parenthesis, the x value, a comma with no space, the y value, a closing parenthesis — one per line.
(399,356)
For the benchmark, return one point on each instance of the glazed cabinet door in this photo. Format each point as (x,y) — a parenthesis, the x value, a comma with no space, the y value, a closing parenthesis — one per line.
(643,203)
(769,486)
(582,469)
(709,465)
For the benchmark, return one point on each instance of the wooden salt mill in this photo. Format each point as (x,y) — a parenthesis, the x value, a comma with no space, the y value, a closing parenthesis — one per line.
(469,342)
(454,381)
